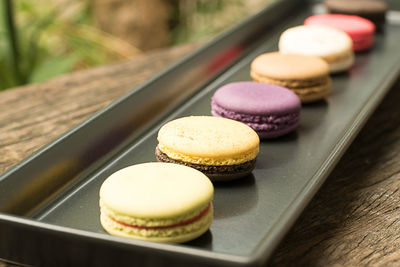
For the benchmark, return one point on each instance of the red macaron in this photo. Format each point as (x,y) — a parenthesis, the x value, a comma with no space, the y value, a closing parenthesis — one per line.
(360,30)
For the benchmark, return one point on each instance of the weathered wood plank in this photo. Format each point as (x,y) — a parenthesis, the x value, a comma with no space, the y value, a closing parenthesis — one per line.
(32,116)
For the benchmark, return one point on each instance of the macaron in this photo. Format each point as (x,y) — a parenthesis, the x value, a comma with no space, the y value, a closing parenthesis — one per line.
(307,76)
(223,149)
(328,43)
(271,110)
(159,202)
(360,30)
(373,10)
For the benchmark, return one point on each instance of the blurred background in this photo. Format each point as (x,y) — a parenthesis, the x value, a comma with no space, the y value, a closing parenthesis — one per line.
(43,39)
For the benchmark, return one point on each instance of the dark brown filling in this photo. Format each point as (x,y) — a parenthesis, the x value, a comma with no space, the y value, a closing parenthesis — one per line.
(244,168)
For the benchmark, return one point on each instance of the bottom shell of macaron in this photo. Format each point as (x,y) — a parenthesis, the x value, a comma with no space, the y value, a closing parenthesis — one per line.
(341,63)
(277,133)
(267,126)
(214,172)
(177,233)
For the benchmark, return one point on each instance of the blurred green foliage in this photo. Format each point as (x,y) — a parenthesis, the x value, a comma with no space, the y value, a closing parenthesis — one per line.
(202,19)
(33,62)
(56,37)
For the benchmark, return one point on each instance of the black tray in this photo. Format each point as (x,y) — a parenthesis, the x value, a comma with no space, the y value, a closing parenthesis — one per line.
(49,203)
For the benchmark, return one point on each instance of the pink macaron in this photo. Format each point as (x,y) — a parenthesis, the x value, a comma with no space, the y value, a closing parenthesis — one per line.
(360,30)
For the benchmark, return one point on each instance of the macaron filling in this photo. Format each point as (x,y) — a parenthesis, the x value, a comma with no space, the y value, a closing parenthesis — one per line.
(292,83)
(310,88)
(177,233)
(212,171)
(244,157)
(180,223)
(148,222)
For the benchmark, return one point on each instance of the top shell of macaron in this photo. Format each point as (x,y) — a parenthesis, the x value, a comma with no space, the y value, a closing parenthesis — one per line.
(352,25)
(156,190)
(315,40)
(359,7)
(257,99)
(209,137)
(276,65)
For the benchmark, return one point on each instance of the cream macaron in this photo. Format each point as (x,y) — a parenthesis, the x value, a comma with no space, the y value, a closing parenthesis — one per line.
(221,148)
(328,43)
(160,202)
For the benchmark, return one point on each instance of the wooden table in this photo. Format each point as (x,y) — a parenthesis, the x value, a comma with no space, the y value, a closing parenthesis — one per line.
(353,220)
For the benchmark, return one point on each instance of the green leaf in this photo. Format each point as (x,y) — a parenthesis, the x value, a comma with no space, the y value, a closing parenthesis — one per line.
(53,67)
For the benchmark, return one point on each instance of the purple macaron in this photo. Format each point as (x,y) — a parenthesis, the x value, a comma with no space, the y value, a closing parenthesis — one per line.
(271,110)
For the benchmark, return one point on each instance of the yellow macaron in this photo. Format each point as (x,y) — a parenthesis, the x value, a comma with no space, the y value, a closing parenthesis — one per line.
(221,148)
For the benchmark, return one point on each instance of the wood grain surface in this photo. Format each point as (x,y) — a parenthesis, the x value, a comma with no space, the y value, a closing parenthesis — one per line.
(32,116)
(354,220)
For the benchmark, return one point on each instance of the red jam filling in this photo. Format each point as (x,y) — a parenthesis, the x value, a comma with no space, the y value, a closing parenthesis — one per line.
(185,222)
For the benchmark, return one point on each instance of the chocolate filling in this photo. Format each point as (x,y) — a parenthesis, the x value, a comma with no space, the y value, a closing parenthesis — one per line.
(214,172)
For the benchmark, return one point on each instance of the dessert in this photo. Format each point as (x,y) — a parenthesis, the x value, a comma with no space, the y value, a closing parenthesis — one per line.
(360,30)
(328,43)
(373,10)
(160,202)
(223,149)
(307,76)
(271,110)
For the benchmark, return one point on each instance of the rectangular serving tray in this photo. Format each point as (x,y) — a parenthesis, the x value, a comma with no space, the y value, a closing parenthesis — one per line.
(49,211)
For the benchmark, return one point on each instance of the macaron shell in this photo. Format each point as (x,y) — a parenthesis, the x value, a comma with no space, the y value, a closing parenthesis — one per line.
(256,99)
(156,190)
(352,25)
(208,140)
(289,66)
(277,133)
(315,40)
